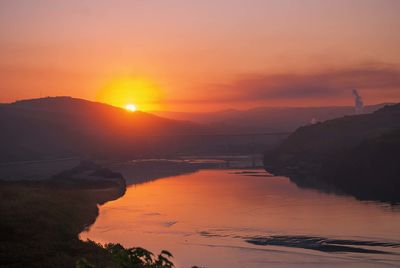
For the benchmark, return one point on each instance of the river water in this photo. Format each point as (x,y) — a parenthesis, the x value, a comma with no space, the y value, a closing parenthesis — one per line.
(248,218)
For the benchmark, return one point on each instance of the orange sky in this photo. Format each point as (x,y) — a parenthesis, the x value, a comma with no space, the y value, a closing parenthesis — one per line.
(201,55)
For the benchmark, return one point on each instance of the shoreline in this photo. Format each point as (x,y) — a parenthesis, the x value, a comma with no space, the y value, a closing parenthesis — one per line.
(42,220)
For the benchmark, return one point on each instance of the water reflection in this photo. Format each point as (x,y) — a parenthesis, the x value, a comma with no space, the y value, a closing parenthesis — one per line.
(246,218)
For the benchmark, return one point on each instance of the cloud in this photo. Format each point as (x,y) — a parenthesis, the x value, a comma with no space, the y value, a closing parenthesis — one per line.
(325,84)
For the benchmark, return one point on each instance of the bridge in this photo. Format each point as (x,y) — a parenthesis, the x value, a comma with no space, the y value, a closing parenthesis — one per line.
(250,134)
(227,146)
(232,145)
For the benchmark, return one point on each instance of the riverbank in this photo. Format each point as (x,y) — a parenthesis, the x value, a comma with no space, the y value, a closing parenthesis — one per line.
(41,220)
(356,155)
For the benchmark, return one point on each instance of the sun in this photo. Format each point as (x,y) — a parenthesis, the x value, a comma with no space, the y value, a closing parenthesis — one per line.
(130,92)
(131,107)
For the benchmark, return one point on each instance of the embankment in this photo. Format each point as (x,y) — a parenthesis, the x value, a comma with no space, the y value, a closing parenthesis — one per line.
(41,220)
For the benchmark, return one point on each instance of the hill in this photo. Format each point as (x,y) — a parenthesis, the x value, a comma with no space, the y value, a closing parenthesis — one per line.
(267,118)
(57,127)
(355,154)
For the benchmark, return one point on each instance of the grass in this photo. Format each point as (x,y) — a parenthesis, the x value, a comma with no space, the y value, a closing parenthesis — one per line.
(41,221)
(40,226)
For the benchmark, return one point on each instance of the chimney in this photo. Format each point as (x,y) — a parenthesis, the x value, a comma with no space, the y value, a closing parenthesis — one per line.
(358,102)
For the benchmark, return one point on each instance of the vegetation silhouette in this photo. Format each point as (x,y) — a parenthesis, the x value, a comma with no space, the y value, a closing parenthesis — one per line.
(357,155)
(135,257)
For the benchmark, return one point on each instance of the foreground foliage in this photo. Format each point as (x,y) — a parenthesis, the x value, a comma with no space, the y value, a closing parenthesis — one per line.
(135,257)
(138,257)
(40,225)
(41,222)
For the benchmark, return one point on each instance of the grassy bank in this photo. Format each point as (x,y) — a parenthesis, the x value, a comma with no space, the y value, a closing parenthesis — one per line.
(40,224)
(41,221)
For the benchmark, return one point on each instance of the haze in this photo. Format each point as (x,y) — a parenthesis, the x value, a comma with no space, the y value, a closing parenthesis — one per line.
(208,133)
(202,55)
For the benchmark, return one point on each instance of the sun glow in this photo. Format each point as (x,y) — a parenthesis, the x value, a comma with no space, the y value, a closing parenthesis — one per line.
(131,107)
(132,93)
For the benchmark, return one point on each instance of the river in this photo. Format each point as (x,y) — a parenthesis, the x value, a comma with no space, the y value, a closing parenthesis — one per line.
(248,218)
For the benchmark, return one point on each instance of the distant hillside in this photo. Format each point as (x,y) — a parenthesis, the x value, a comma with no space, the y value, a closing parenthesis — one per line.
(267,118)
(59,127)
(357,154)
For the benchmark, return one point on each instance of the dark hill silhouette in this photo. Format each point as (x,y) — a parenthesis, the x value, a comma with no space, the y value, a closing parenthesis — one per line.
(267,118)
(56,127)
(356,154)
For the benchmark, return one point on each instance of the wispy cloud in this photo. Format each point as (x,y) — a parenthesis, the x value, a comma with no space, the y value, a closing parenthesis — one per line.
(329,83)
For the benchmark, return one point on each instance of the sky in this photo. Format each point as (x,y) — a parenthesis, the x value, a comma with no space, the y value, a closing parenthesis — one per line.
(201,55)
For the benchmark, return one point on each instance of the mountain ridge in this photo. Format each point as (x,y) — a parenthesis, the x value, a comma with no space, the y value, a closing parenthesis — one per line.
(57,127)
(330,153)
(268,118)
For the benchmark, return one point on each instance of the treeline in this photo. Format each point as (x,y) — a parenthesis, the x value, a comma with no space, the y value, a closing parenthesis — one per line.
(357,155)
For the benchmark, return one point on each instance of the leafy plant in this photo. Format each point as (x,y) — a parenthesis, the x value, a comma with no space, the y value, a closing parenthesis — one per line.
(83,263)
(138,257)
